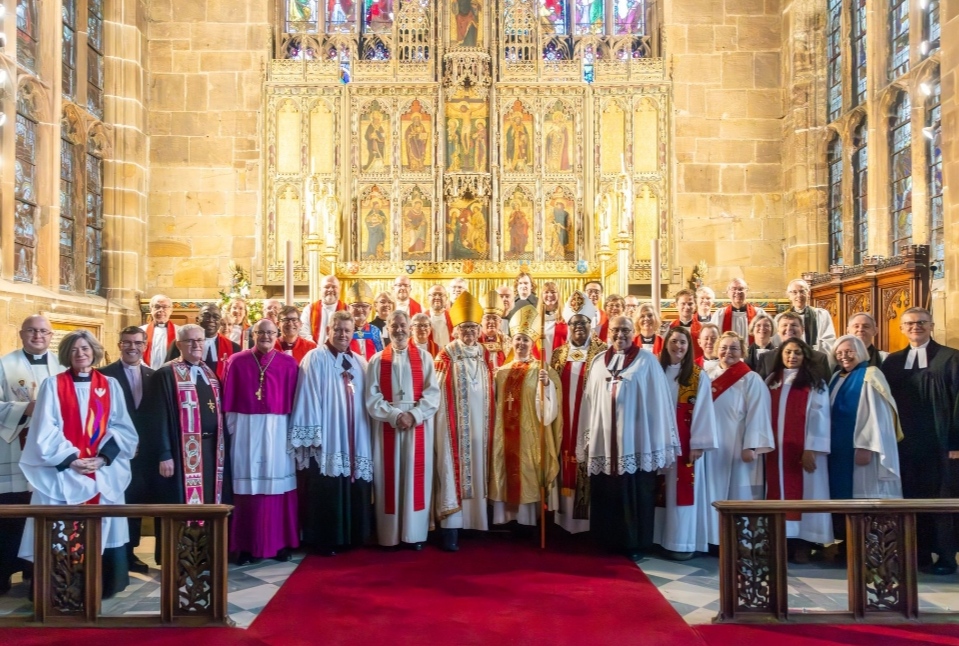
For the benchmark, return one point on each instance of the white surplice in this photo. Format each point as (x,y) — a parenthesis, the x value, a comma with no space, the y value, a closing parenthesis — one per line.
(14,368)
(471,383)
(743,421)
(441,333)
(306,329)
(645,419)
(740,322)
(816,528)
(259,455)
(406,525)
(158,349)
(47,448)
(877,420)
(319,425)
(685,528)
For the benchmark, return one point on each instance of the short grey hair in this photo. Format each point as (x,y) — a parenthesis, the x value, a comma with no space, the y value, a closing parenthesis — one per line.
(186,329)
(70,340)
(862,354)
(706,290)
(416,317)
(398,314)
(867,315)
(157,297)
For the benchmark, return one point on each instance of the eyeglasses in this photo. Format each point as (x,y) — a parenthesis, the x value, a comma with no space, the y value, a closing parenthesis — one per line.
(193,341)
(162,307)
(265,333)
(32,331)
(422,326)
(916,323)
(133,344)
(620,330)
(290,320)
(738,290)
(797,292)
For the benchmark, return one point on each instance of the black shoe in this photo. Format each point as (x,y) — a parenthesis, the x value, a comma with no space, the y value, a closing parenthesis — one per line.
(5,586)
(283,556)
(138,566)
(245,558)
(417,547)
(450,537)
(940,569)
(635,555)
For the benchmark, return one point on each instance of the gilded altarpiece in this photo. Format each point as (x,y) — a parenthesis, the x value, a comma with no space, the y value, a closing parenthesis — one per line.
(463,144)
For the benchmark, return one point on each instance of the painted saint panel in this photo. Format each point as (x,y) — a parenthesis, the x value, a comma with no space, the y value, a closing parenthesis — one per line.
(646,137)
(589,16)
(629,17)
(553,16)
(518,229)
(416,225)
(613,144)
(518,140)
(466,23)
(375,225)
(322,139)
(378,16)
(375,145)
(559,225)
(340,16)
(558,140)
(288,128)
(467,134)
(416,154)
(467,229)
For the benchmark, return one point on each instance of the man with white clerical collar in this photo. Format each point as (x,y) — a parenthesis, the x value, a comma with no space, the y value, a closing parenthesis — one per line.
(463,426)
(457,287)
(382,306)
(571,362)
(863,325)
(366,337)
(160,331)
(21,373)
(705,296)
(686,311)
(330,437)
(613,306)
(316,316)
(527,397)
(401,294)
(217,348)
(594,291)
(134,379)
(924,379)
(491,336)
(291,342)
(440,321)
(402,398)
(738,315)
(818,329)
(525,289)
(627,435)
(257,398)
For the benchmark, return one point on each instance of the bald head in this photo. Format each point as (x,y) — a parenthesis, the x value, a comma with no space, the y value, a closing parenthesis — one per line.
(621,333)
(35,334)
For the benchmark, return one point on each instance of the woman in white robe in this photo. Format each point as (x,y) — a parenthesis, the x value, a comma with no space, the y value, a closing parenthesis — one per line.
(62,473)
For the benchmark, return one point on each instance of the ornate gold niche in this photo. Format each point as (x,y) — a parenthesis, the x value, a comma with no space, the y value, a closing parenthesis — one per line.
(457,149)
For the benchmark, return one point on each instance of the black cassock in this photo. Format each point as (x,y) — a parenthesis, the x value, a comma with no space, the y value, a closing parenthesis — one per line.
(928,402)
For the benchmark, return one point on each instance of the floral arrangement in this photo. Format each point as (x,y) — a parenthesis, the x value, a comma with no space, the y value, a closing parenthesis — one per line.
(240,288)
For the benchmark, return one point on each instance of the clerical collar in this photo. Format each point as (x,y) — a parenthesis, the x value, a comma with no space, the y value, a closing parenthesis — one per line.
(36,359)
(704,319)
(648,340)
(686,323)
(287,346)
(80,377)
(738,309)
(800,311)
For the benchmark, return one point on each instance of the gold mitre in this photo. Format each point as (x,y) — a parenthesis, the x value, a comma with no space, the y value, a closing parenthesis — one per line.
(579,303)
(359,292)
(493,304)
(466,309)
(525,321)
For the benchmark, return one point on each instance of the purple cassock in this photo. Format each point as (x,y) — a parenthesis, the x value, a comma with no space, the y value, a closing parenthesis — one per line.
(258,393)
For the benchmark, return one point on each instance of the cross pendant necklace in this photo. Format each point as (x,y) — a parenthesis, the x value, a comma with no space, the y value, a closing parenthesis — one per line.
(262,369)
(212,406)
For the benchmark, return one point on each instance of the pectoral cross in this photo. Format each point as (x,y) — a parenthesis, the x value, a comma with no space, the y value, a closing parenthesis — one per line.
(259,394)
(509,401)
(612,382)
(212,406)
(402,394)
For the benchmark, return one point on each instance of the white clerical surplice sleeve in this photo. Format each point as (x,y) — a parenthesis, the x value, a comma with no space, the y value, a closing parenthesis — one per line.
(759,428)
(818,427)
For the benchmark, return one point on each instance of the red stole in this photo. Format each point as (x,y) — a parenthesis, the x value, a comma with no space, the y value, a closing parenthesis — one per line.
(570,427)
(316,317)
(686,469)
(560,334)
(512,399)
(727,325)
(85,430)
(224,350)
(793,445)
(389,433)
(729,377)
(191,433)
(657,343)
(300,347)
(694,331)
(170,338)
(415,308)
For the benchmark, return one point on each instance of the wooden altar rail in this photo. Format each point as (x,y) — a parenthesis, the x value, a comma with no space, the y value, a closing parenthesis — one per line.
(67,565)
(880,560)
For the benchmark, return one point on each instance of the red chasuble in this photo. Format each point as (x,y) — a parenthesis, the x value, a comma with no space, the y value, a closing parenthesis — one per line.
(84,429)
(316,316)
(685,469)
(170,338)
(728,319)
(694,331)
(793,445)
(512,400)
(389,433)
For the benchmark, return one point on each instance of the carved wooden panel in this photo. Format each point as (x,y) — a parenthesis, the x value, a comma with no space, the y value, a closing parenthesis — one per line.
(884,560)
(68,567)
(755,556)
(896,299)
(194,579)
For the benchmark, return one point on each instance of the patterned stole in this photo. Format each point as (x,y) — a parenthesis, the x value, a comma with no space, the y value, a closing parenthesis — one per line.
(84,430)
(389,433)
(686,469)
(170,337)
(512,398)
(192,434)
(793,445)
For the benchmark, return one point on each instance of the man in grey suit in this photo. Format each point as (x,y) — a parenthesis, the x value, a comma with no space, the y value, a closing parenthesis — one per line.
(133,377)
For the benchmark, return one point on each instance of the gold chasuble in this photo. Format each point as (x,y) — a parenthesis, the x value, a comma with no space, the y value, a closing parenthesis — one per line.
(515,466)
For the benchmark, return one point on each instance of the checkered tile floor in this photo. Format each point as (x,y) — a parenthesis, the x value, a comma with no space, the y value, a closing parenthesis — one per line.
(692,587)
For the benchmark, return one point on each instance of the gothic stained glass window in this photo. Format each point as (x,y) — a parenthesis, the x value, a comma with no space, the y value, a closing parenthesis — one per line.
(900,180)
(301,16)
(629,17)
(67,216)
(69,80)
(378,16)
(94,228)
(553,17)
(341,16)
(519,32)
(933,134)
(95,58)
(27,32)
(860,205)
(859,51)
(589,17)
(834,56)
(834,161)
(931,28)
(25,214)
(898,39)
(589,72)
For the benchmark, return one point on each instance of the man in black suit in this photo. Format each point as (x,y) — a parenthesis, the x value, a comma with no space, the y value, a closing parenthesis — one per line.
(789,325)
(133,377)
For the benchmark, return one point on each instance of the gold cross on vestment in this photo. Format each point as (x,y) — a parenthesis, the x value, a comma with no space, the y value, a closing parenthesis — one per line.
(402,394)
(509,401)
(212,406)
